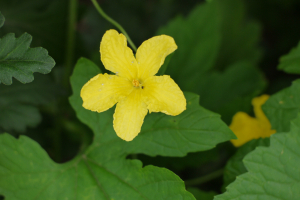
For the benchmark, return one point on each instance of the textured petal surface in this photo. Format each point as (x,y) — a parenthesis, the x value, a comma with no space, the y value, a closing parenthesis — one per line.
(152,53)
(116,56)
(129,116)
(162,94)
(104,91)
(247,128)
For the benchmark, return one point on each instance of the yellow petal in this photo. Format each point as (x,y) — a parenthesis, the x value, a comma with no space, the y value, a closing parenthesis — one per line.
(116,56)
(129,116)
(162,94)
(104,91)
(245,128)
(257,102)
(152,53)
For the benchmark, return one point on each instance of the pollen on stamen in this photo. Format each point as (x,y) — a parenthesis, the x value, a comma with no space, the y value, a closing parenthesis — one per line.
(136,83)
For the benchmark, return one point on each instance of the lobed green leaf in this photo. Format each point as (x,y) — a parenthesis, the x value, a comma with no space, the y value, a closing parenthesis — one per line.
(201,195)
(290,63)
(27,172)
(198,43)
(45,20)
(232,89)
(235,166)
(283,107)
(18,103)
(102,171)
(196,129)
(240,35)
(273,172)
(19,61)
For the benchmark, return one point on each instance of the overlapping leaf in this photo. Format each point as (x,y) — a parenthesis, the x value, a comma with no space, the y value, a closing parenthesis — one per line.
(235,166)
(198,41)
(196,129)
(202,195)
(19,61)
(290,63)
(18,103)
(208,42)
(232,90)
(273,172)
(240,36)
(283,107)
(45,20)
(102,172)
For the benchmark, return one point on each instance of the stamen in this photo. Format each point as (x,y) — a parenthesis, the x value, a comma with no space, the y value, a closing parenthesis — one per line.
(135,83)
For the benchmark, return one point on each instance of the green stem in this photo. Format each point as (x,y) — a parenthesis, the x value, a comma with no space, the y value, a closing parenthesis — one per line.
(116,24)
(206,178)
(73,4)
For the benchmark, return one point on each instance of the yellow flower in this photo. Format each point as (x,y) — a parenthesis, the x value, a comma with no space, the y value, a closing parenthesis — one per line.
(247,128)
(134,88)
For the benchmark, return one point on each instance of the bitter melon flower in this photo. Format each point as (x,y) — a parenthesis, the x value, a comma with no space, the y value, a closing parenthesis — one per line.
(247,128)
(134,88)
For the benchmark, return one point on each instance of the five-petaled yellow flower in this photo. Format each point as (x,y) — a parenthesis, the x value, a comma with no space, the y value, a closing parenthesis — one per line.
(247,128)
(134,88)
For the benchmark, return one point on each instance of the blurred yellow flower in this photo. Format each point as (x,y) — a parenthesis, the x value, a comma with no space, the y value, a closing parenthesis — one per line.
(134,88)
(247,128)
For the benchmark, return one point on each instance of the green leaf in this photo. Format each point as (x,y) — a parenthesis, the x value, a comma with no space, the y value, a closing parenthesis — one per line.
(2,19)
(283,107)
(18,103)
(180,163)
(164,67)
(196,129)
(240,35)
(273,172)
(198,44)
(235,166)
(209,55)
(45,20)
(27,172)
(201,195)
(290,63)
(19,61)
(232,89)
(16,117)
(102,171)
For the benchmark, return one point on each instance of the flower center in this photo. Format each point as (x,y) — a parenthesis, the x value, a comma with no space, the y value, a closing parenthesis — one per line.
(136,83)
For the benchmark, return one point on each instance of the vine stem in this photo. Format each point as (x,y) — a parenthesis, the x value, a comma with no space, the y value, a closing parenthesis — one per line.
(206,178)
(72,18)
(116,24)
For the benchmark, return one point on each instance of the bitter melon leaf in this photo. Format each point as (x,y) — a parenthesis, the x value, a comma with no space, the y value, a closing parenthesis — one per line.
(198,41)
(20,61)
(102,171)
(2,19)
(196,129)
(42,19)
(273,172)
(27,172)
(18,102)
(237,29)
(283,107)
(233,89)
(202,195)
(290,63)
(235,166)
